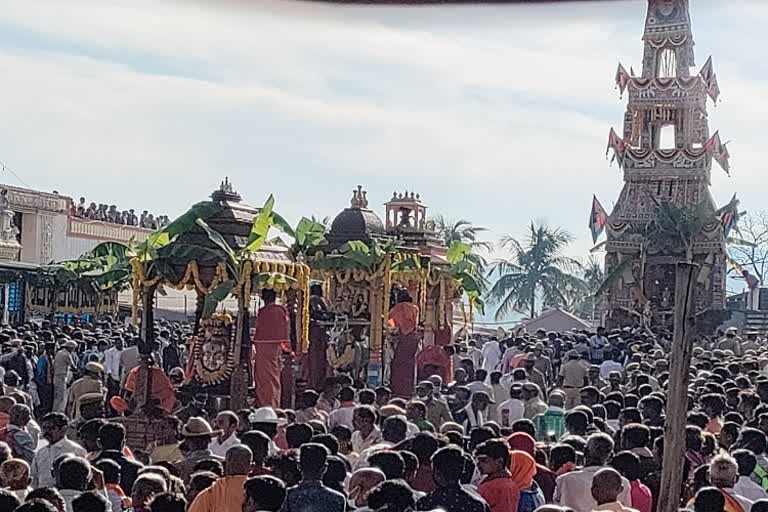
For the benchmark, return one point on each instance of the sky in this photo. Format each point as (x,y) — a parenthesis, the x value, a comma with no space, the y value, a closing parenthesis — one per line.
(494,113)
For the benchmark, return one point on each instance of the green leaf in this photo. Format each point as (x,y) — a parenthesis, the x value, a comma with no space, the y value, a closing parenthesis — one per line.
(280,223)
(309,233)
(214,297)
(354,246)
(215,237)
(458,251)
(261,224)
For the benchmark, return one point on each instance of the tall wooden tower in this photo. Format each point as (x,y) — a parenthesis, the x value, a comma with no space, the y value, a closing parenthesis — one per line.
(666,154)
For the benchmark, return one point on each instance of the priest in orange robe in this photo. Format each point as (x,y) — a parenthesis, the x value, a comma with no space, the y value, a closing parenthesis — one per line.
(272,334)
(404,318)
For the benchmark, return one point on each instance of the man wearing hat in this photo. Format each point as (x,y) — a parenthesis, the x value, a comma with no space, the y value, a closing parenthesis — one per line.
(573,376)
(197,434)
(90,383)
(731,342)
(63,365)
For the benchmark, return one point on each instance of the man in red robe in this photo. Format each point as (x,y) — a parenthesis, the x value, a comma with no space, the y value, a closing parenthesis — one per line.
(272,333)
(404,317)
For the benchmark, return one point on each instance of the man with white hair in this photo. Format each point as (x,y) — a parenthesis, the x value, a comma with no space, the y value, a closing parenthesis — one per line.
(360,484)
(723,474)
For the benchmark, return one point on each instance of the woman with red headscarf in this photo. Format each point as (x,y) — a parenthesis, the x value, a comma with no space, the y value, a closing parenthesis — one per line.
(522,468)
(544,478)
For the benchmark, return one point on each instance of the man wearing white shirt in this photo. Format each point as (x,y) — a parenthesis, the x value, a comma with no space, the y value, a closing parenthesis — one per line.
(479,383)
(474,354)
(574,489)
(745,486)
(112,367)
(491,355)
(54,427)
(366,433)
(611,365)
(226,422)
(344,414)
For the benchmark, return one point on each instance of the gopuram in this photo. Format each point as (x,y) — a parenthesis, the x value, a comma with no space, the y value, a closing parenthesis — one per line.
(672,168)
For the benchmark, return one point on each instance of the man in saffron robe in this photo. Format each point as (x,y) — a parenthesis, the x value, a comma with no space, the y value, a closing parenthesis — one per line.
(404,318)
(272,333)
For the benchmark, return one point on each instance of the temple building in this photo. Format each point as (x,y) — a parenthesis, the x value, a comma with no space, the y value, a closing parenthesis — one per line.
(48,232)
(666,153)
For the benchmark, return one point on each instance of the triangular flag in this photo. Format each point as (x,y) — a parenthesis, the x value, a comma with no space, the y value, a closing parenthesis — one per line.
(597,219)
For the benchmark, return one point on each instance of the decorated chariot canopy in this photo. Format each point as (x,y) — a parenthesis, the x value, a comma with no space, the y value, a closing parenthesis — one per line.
(367,260)
(220,248)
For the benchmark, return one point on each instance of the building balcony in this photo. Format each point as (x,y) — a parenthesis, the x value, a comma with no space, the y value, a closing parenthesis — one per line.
(105,231)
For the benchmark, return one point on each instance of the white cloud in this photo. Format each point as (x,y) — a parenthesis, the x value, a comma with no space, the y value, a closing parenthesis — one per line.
(495,113)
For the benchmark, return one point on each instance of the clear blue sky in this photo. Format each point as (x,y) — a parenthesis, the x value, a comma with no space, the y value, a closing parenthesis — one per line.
(498,114)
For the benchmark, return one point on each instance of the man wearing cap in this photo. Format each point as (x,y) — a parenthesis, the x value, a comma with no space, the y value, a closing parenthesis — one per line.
(438,412)
(573,376)
(266,420)
(731,342)
(90,383)
(197,434)
(63,366)
(272,333)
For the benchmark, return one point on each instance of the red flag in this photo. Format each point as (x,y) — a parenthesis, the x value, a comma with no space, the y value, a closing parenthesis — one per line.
(719,151)
(597,219)
(617,144)
(622,78)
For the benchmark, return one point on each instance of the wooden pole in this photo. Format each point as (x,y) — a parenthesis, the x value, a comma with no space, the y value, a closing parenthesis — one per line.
(239,380)
(686,275)
(143,391)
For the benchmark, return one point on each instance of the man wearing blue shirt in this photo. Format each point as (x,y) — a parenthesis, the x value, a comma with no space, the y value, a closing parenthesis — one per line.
(311,495)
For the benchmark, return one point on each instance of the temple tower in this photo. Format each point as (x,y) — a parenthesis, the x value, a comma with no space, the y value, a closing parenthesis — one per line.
(666,154)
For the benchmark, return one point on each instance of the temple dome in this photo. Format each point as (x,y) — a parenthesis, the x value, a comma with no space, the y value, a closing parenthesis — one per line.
(356,222)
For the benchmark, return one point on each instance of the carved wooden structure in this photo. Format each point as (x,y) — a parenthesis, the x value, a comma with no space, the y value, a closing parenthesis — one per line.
(664,97)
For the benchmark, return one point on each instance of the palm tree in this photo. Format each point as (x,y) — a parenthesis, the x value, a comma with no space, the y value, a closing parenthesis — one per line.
(592,276)
(463,231)
(460,230)
(537,267)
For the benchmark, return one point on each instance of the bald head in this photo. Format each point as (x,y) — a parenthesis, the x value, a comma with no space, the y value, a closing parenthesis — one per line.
(361,482)
(238,460)
(606,486)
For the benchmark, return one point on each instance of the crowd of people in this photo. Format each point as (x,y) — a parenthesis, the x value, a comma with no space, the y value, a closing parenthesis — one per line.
(546,422)
(111,214)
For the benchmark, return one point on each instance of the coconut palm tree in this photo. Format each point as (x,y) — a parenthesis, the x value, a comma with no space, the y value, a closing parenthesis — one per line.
(463,231)
(460,230)
(592,275)
(537,267)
